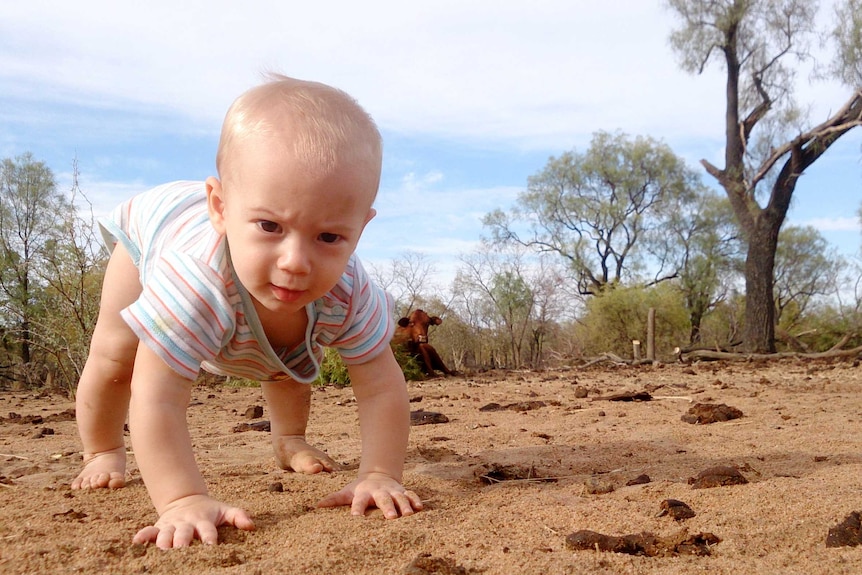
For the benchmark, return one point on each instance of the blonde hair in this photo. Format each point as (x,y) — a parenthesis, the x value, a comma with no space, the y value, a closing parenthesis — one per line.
(323,126)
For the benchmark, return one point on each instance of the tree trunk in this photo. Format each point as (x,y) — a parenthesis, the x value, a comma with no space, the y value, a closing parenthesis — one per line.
(759,329)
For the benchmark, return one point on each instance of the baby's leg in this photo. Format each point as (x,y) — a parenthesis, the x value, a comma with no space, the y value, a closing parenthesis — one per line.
(102,398)
(289,404)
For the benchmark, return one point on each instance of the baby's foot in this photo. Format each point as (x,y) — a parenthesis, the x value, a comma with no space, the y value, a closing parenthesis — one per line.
(294,453)
(101,470)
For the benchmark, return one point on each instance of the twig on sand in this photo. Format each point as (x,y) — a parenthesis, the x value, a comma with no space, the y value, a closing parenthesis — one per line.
(688,399)
(14,456)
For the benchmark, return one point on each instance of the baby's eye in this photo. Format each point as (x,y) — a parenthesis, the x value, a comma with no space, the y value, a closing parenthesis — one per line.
(328,238)
(268,226)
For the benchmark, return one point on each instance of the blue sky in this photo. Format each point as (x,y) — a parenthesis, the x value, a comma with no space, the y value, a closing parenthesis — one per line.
(472,97)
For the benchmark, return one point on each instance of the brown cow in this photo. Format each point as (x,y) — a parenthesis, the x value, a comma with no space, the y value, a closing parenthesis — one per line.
(412,332)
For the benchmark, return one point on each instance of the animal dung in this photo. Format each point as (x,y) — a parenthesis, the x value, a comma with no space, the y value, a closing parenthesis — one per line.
(598,486)
(497,473)
(641,479)
(703,413)
(517,406)
(425,564)
(717,476)
(676,509)
(256,426)
(644,543)
(422,417)
(626,396)
(848,533)
(254,412)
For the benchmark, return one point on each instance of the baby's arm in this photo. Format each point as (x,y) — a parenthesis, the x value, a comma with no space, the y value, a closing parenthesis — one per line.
(163,451)
(384,421)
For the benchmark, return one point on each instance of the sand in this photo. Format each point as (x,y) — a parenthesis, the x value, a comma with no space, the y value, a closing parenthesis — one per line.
(504,487)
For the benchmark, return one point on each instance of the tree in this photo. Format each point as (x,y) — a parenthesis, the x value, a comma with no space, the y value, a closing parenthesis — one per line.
(510,300)
(50,277)
(704,239)
(766,143)
(596,210)
(29,206)
(408,279)
(804,268)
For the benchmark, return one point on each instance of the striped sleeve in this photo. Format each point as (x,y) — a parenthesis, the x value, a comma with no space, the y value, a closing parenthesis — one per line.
(183,313)
(369,324)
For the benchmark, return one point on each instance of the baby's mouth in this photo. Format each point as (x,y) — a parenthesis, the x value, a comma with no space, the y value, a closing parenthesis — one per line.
(286,295)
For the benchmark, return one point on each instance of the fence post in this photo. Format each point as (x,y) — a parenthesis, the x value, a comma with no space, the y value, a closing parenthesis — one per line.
(650,342)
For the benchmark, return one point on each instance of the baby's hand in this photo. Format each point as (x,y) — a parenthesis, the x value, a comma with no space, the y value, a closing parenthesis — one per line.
(195,516)
(375,489)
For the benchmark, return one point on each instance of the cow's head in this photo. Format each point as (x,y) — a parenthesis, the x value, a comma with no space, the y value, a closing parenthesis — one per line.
(417,324)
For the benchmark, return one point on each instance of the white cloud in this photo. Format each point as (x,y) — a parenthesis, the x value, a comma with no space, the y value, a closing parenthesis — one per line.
(836,224)
(531,72)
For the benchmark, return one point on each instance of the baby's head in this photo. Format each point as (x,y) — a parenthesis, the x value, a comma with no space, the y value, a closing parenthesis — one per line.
(321,127)
(299,167)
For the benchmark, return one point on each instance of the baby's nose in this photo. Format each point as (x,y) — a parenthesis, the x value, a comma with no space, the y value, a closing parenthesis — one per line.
(293,257)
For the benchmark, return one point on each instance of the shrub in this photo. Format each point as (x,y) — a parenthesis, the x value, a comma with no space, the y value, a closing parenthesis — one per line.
(618,316)
(332,370)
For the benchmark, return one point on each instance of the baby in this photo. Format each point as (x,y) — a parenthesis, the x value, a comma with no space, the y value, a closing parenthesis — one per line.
(249,274)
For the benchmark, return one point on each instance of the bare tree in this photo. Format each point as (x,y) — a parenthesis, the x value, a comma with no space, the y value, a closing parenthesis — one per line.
(408,280)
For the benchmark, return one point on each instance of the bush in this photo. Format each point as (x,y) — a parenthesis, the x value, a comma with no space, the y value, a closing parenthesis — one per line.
(332,370)
(619,316)
(409,364)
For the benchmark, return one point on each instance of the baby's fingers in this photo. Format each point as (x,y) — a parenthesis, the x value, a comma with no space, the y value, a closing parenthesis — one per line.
(397,504)
(146,535)
(237,517)
(337,499)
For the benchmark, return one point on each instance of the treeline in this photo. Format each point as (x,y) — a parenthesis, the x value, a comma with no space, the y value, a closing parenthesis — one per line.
(508,310)
(614,247)
(51,270)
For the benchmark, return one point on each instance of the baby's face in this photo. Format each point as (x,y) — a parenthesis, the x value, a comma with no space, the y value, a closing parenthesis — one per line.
(291,231)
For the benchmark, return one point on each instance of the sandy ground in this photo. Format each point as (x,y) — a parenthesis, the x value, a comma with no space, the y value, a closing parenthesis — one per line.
(504,488)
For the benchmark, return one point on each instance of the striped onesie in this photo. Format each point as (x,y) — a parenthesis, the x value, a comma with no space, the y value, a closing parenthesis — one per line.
(194,313)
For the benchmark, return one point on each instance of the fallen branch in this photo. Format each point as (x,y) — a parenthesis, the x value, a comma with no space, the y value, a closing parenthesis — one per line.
(730,356)
(608,356)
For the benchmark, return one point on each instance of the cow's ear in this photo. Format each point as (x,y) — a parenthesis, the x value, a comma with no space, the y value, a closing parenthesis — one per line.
(436,320)
(403,322)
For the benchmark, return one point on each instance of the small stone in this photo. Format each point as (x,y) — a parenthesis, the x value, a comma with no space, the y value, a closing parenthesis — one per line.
(276,487)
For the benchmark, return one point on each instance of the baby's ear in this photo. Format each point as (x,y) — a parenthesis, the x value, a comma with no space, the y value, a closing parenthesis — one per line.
(215,203)
(371,213)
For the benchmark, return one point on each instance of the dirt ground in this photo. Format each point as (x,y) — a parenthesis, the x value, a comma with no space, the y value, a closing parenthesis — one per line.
(504,486)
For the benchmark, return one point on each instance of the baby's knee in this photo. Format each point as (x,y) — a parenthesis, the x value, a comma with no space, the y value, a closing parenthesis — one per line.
(113,359)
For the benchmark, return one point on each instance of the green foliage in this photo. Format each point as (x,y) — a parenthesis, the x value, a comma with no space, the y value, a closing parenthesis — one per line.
(50,273)
(597,210)
(409,365)
(333,371)
(618,316)
(804,268)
